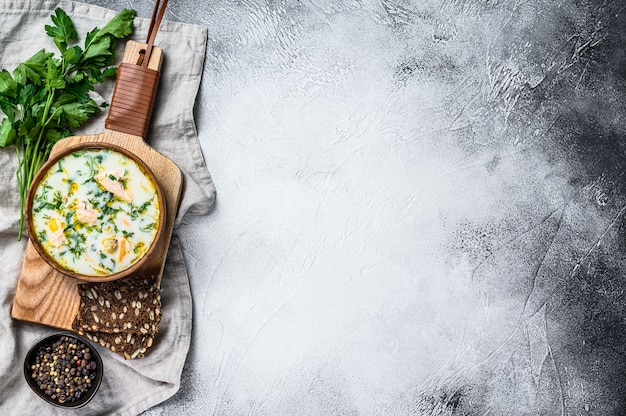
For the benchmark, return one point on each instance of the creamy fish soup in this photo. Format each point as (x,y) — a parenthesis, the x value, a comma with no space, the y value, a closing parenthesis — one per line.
(95,212)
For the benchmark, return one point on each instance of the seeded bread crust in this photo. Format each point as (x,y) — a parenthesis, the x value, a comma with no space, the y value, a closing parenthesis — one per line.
(122,315)
(125,305)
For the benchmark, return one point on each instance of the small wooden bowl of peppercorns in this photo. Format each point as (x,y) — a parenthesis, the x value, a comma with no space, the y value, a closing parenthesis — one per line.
(64,370)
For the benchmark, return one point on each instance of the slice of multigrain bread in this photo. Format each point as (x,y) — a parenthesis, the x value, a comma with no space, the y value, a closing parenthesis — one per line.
(122,315)
(125,305)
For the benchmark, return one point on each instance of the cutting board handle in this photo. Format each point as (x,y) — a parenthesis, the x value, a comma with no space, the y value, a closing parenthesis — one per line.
(135,90)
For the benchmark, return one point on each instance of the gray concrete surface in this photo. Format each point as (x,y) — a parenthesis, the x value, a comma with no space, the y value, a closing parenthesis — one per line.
(420,208)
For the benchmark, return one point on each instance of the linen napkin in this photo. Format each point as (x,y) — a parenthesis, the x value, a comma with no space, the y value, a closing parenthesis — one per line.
(128,387)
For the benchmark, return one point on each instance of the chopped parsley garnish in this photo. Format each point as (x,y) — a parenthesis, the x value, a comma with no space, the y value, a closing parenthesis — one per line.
(136,211)
(42,236)
(148,227)
(75,243)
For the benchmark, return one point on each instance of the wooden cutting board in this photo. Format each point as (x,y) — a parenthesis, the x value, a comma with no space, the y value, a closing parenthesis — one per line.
(48,297)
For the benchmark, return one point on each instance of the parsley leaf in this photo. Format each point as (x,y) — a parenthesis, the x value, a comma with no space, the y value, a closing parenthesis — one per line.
(118,27)
(75,113)
(8,87)
(53,80)
(7,134)
(63,30)
(33,69)
(72,55)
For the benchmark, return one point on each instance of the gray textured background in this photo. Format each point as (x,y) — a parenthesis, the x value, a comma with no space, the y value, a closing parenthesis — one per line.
(420,208)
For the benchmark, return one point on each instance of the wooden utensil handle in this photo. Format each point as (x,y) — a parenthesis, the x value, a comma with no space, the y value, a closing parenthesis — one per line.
(135,89)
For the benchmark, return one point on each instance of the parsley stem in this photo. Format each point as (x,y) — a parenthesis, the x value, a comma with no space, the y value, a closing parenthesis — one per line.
(34,155)
(20,187)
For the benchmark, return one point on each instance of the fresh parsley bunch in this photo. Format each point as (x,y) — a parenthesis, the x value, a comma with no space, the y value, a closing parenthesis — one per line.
(47,96)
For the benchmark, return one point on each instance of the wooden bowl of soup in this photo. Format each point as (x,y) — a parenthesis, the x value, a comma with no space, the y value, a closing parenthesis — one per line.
(95,212)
